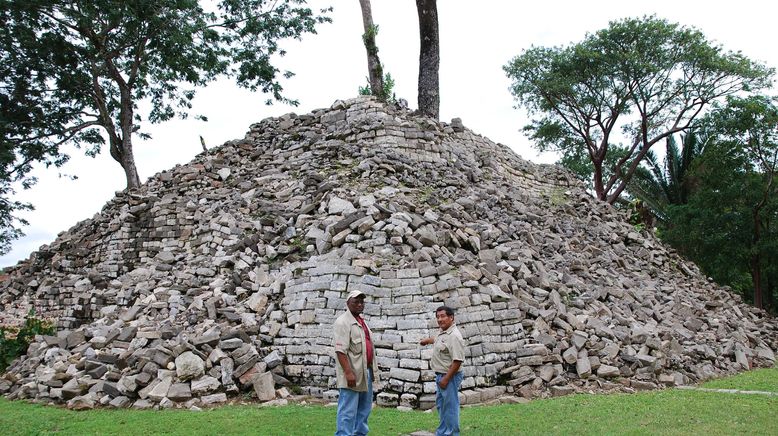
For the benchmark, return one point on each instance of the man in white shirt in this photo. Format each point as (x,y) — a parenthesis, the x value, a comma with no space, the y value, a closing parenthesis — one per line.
(448,353)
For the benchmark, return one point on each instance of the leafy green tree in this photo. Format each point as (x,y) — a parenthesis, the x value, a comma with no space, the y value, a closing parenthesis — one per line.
(730,224)
(74,71)
(659,185)
(639,80)
(9,223)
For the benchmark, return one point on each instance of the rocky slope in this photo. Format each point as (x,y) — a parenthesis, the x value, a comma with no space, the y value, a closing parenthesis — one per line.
(224,275)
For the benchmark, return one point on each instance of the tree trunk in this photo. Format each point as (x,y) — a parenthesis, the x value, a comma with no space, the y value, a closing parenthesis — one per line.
(756,279)
(127,159)
(768,290)
(120,143)
(429,59)
(128,163)
(375,71)
(756,262)
(599,188)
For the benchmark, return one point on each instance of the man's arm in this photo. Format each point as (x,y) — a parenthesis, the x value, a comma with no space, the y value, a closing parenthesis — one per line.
(341,341)
(427,341)
(453,369)
(351,378)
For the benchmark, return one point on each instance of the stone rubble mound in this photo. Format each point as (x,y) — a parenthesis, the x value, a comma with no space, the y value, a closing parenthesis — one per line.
(221,278)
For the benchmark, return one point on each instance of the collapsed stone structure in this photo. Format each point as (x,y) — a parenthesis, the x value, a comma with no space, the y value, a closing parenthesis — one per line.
(225,275)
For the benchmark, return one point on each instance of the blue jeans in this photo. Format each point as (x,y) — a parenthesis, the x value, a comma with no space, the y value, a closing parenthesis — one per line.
(447,402)
(354,409)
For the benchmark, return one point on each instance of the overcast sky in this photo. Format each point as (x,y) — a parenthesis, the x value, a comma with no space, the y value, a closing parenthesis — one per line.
(476,40)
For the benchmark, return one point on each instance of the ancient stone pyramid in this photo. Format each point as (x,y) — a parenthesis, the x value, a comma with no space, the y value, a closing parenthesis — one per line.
(225,275)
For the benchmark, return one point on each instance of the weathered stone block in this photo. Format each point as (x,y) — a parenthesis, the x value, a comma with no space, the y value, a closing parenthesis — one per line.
(189,365)
(404,374)
(264,387)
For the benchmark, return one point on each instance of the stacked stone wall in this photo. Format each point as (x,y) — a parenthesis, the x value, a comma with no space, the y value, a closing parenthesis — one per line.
(225,275)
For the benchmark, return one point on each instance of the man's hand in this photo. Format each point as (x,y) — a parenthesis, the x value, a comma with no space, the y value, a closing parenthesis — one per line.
(426,341)
(351,379)
(449,374)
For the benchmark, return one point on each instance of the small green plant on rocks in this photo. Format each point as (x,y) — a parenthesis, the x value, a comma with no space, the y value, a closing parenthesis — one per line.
(635,216)
(425,193)
(298,243)
(388,92)
(557,197)
(295,389)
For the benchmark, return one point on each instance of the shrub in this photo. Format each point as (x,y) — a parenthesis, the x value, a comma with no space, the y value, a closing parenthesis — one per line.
(388,95)
(15,340)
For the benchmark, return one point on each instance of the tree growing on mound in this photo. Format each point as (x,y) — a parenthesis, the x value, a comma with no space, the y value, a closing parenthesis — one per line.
(374,68)
(645,79)
(378,84)
(75,71)
(429,58)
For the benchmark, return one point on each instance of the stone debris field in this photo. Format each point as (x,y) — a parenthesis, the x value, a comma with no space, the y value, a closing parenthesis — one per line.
(220,279)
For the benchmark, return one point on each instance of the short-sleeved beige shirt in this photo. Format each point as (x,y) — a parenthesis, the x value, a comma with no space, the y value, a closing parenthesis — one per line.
(349,339)
(448,347)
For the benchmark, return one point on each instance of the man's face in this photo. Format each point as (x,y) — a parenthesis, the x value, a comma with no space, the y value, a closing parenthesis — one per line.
(356,305)
(444,320)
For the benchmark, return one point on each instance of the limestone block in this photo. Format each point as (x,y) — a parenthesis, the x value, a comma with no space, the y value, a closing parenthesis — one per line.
(264,386)
(404,374)
(189,365)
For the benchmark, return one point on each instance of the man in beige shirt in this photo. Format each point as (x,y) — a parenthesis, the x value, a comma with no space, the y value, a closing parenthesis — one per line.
(448,353)
(355,367)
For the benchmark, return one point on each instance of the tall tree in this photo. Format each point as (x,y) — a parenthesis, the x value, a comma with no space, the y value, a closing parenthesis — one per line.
(429,59)
(74,71)
(646,78)
(374,68)
(750,127)
(730,224)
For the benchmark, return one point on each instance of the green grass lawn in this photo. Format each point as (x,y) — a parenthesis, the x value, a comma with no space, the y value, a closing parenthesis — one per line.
(674,412)
(761,380)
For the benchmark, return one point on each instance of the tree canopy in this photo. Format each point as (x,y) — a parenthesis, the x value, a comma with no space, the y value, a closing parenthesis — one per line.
(605,101)
(730,223)
(74,71)
(660,185)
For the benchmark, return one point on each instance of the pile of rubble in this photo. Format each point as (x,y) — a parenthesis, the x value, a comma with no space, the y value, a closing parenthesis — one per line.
(223,277)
